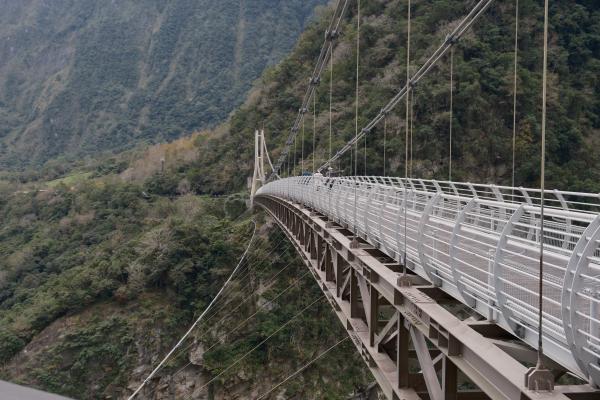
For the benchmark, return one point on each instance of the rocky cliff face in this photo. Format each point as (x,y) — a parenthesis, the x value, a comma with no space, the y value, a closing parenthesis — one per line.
(58,357)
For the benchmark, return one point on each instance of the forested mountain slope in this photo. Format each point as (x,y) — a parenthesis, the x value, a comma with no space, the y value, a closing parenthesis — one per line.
(99,280)
(78,77)
(483,105)
(113,261)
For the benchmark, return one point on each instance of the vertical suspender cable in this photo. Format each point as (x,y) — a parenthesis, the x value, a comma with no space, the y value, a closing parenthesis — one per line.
(356,119)
(451,112)
(542,185)
(314,141)
(514,136)
(408,84)
(289,166)
(351,162)
(356,94)
(384,140)
(336,20)
(330,95)
(302,144)
(407,118)
(412,124)
(294,169)
(463,26)
(365,155)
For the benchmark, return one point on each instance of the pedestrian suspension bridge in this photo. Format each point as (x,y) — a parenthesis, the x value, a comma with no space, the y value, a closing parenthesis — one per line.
(477,245)
(396,255)
(493,291)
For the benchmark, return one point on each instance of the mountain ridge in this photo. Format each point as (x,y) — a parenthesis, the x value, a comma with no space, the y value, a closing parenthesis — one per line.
(82,78)
(122,229)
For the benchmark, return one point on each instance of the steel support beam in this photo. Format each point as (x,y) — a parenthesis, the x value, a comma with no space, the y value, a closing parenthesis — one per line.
(361,285)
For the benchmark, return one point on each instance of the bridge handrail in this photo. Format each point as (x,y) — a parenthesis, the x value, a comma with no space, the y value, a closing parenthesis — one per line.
(480,243)
(509,194)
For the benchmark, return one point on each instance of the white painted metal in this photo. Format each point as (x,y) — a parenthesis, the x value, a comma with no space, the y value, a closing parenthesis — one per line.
(260,153)
(480,243)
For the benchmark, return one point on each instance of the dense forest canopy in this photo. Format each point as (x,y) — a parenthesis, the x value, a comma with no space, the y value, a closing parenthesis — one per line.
(483,97)
(97,282)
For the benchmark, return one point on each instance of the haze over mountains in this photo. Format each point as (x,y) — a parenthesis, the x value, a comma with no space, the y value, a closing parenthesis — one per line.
(100,271)
(79,77)
(113,258)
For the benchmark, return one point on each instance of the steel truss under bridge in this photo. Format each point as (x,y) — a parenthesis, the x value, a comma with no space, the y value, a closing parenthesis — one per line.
(465,245)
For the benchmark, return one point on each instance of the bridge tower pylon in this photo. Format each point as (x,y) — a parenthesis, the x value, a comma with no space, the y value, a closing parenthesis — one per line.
(259,176)
(261,154)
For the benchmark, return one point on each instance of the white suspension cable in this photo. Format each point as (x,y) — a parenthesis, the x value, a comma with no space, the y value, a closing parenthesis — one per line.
(354,240)
(222,301)
(384,140)
(249,262)
(451,113)
(330,97)
(281,327)
(351,162)
(407,123)
(164,360)
(314,141)
(305,366)
(281,293)
(302,157)
(542,186)
(331,32)
(365,157)
(238,294)
(266,152)
(412,107)
(294,283)
(247,296)
(516,64)
(449,41)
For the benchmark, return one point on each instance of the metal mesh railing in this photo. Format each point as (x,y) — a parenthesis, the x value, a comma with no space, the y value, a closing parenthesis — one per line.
(480,243)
